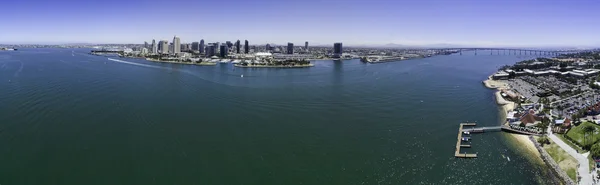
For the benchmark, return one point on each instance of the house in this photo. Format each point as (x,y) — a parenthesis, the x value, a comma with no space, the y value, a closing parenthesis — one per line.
(593,110)
(529,119)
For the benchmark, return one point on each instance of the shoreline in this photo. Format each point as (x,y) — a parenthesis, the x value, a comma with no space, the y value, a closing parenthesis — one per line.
(176,62)
(524,142)
(277,66)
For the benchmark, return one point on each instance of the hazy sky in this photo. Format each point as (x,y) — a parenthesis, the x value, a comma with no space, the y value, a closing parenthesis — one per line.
(353,22)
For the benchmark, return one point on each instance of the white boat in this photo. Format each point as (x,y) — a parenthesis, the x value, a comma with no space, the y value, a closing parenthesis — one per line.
(242,76)
(225,61)
(236,61)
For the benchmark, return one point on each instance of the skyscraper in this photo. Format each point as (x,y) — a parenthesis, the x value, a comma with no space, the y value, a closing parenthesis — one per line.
(224,51)
(306,46)
(154,47)
(268,47)
(195,46)
(337,50)
(145,44)
(163,46)
(246,47)
(290,48)
(237,46)
(201,49)
(176,45)
(210,50)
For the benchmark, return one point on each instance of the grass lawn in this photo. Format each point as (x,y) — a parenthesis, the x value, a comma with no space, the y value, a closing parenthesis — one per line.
(577,134)
(565,161)
(572,174)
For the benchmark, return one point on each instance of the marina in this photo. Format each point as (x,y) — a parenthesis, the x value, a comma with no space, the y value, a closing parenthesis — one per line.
(459,144)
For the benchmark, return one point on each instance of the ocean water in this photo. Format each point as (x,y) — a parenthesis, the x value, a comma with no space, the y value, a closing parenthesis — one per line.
(67,117)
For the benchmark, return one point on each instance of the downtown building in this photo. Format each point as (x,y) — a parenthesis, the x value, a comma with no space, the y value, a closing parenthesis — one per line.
(176,45)
(246,47)
(224,51)
(163,47)
(201,47)
(337,50)
(210,50)
(154,47)
(290,48)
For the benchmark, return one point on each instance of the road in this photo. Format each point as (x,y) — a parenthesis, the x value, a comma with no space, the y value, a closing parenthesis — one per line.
(584,169)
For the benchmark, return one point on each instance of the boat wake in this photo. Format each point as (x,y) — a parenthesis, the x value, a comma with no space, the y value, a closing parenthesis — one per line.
(133,63)
(20,69)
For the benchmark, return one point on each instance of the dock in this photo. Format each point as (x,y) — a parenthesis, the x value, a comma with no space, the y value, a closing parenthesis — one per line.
(460,145)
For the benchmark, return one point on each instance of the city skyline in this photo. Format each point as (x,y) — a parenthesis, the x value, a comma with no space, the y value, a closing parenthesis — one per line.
(354,23)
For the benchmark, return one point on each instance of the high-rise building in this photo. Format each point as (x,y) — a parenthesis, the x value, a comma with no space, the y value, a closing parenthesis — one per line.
(145,44)
(195,46)
(154,47)
(268,47)
(144,50)
(184,47)
(306,46)
(246,47)
(237,46)
(176,45)
(201,47)
(163,47)
(224,51)
(290,48)
(337,50)
(210,50)
(229,44)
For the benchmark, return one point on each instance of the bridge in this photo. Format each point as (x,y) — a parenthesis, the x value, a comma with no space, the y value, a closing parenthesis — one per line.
(503,51)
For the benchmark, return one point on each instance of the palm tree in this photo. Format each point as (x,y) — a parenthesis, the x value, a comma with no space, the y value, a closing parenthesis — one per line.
(587,130)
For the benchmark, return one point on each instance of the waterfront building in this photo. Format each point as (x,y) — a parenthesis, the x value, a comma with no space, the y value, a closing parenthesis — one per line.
(195,46)
(337,50)
(306,46)
(201,47)
(145,44)
(290,48)
(144,51)
(237,46)
(229,44)
(176,45)
(154,47)
(163,46)
(246,47)
(210,50)
(224,51)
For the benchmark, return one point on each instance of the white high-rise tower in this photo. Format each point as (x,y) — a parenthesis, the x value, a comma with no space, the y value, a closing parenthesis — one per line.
(176,45)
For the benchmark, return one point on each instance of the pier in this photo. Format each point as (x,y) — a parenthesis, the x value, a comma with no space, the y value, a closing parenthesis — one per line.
(460,145)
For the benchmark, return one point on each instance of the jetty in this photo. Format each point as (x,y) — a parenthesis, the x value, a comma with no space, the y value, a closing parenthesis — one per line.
(459,142)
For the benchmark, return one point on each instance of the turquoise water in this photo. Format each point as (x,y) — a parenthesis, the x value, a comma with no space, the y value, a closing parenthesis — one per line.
(84,119)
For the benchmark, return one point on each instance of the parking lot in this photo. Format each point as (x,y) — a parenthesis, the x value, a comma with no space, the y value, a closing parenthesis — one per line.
(568,106)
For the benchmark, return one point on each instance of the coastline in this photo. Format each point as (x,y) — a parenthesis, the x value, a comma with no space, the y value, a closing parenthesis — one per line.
(527,143)
(176,62)
(276,66)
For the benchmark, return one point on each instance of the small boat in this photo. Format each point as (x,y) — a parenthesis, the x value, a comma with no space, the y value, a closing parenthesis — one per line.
(466,132)
(466,139)
(242,76)
(508,158)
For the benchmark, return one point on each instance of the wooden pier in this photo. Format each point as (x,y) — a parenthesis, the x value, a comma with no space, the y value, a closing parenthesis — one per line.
(459,145)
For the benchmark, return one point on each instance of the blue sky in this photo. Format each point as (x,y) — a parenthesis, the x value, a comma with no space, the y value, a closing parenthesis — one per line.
(353,22)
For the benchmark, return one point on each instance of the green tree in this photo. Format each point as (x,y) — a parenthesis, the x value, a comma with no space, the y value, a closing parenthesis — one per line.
(595,151)
(587,130)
